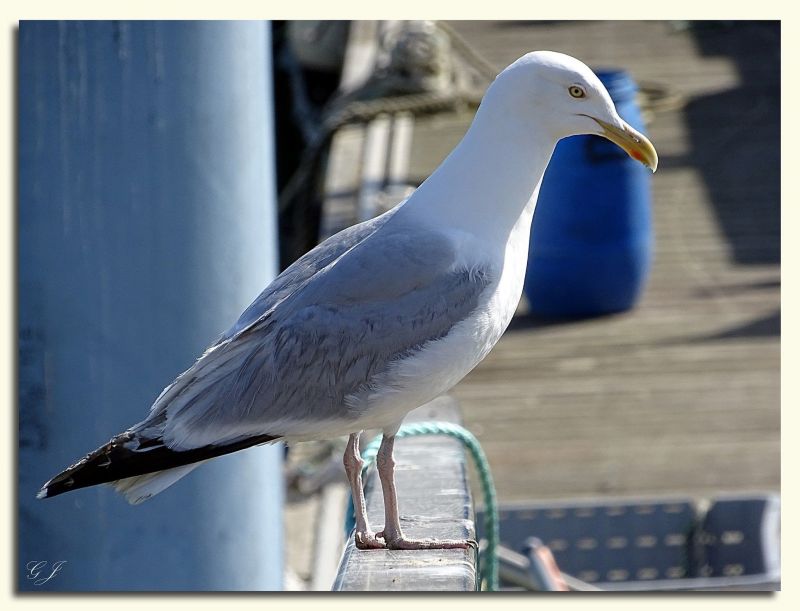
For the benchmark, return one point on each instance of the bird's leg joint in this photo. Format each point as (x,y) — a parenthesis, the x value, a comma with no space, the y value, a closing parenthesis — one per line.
(353,462)
(385,459)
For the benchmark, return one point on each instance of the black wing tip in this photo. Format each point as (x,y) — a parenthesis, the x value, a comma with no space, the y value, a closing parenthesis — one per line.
(112,462)
(85,472)
(58,485)
(61,483)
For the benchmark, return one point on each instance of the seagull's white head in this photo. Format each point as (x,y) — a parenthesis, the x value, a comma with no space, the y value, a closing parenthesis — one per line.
(560,94)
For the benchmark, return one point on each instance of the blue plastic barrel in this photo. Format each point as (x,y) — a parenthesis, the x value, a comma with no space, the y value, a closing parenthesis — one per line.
(592,241)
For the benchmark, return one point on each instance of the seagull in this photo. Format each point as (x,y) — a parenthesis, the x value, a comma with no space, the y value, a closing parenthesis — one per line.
(380,318)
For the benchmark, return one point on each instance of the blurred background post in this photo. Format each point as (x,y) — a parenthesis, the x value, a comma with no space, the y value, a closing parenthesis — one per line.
(147,224)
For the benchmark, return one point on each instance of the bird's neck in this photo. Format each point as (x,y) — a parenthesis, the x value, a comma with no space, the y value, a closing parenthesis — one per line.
(489,183)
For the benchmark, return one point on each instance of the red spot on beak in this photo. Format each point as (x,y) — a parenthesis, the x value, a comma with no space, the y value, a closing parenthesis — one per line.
(637,155)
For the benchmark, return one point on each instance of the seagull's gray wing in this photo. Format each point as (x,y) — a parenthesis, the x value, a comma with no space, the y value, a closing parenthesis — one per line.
(297,275)
(292,279)
(290,362)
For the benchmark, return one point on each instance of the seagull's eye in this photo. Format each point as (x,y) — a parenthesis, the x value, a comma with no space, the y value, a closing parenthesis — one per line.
(576,91)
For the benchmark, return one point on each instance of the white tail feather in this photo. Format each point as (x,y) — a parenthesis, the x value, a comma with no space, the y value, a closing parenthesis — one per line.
(140,488)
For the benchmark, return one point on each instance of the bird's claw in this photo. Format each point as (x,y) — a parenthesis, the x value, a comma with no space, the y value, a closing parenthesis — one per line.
(400,543)
(365,540)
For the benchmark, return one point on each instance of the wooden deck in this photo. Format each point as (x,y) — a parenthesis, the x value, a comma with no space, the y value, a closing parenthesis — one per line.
(683,393)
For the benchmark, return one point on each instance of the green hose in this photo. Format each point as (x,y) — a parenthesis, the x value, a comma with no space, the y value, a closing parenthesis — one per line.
(489,572)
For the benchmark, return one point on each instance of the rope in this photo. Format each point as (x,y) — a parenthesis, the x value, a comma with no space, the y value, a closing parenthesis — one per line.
(362,111)
(483,66)
(383,93)
(489,573)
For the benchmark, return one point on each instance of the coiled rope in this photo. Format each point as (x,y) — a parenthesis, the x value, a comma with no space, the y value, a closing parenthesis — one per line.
(489,570)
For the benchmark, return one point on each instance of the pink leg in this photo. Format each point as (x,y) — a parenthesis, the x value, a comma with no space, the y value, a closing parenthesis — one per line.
(365,539)
(392,533)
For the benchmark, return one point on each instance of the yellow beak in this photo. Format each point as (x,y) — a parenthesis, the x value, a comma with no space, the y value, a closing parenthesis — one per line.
(631,141)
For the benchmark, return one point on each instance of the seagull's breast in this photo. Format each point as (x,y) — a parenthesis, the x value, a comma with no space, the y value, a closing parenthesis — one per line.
(441,364)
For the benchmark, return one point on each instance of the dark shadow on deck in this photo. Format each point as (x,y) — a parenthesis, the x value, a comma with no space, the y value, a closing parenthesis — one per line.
(765,326)
(532,321)
(735,137)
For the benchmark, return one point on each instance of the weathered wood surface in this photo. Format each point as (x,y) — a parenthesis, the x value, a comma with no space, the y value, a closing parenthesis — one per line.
(435,501)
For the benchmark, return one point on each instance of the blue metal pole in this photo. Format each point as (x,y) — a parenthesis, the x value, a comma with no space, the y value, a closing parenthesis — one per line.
(147,223)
